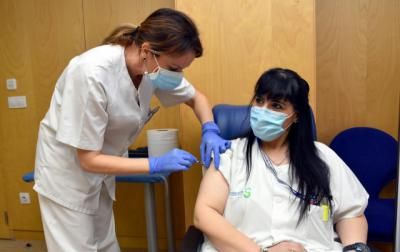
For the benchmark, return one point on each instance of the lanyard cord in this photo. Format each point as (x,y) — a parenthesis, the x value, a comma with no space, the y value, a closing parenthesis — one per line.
(268,163)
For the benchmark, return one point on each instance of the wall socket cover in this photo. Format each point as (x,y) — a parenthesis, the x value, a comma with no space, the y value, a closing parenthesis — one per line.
(11,84)
(17,102)
(24,198)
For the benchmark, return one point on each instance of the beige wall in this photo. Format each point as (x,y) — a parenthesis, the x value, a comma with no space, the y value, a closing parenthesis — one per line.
(37,40)
(242,39)
(358,65)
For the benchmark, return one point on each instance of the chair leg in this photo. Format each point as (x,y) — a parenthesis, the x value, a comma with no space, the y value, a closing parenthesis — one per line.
(168,217)
(151,221)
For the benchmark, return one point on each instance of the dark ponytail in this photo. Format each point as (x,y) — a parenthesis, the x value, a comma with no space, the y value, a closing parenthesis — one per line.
(123,35)
(166,30)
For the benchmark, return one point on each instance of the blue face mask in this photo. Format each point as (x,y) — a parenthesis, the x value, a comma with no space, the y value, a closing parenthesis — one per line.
(164,79)
(267,124)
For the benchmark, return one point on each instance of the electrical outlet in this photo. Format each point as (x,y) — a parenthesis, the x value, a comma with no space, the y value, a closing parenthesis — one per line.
(24,198)
(11,84)
(15,102)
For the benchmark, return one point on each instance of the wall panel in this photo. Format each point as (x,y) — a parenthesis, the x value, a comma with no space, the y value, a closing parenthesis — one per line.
(37,40)
(242,39)
(358,65)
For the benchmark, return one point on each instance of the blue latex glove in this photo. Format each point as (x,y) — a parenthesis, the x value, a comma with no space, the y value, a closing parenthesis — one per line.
(174,160)
(211,142)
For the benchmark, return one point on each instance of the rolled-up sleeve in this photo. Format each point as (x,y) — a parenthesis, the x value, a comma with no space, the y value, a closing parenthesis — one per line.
(349,196)
(225,167)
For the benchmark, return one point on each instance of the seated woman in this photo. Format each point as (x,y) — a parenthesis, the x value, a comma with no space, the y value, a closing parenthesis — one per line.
(277,189)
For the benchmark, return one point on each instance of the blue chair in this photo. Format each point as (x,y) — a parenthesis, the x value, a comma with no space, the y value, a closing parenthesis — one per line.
(372,155)
(148,180)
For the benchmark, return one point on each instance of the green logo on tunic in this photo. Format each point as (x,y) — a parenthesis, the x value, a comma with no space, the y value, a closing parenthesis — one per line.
(247,192)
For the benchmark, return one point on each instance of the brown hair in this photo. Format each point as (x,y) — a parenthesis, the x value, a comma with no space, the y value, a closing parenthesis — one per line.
(166,30)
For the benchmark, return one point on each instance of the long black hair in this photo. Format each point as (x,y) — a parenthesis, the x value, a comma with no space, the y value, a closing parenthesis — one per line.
(307,167)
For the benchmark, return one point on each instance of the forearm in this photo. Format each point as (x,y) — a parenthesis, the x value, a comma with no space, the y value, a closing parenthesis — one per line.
(201,107)
(96,162)
(352,230)
(221,233)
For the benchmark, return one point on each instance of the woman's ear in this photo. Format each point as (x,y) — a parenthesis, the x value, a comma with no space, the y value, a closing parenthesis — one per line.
(144,50)
(295,118)
(145,46)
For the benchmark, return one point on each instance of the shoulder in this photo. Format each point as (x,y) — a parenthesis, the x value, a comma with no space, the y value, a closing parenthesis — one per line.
(233,161)
(235,154)
(103,53)
(325,151)
(103,58)
(238,148)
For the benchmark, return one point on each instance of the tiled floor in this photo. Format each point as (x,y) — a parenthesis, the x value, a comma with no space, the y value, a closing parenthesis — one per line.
(36,246)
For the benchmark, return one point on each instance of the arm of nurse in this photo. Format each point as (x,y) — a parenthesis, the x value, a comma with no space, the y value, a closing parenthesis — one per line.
(96,162)
(208,215)
(201,107)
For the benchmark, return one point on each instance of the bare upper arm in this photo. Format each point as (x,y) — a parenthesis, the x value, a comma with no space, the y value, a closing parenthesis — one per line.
(214,190)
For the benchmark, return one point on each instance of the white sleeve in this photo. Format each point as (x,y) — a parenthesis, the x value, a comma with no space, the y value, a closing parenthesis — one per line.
(180,94)
(233,163)
(82,115)
(349,196)
(225,165)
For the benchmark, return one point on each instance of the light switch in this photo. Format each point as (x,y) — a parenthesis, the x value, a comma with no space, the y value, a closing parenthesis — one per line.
(11,84)
(17,102)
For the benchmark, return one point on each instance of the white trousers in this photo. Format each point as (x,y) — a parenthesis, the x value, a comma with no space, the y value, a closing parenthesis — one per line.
(68,230)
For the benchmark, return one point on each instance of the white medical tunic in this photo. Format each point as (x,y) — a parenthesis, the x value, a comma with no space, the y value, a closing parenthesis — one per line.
(95,106)
(267,212)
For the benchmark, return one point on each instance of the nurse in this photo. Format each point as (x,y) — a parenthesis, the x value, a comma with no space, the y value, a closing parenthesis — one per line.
(100,104)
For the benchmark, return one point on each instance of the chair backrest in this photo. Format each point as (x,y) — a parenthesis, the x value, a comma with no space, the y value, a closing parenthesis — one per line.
(234,120)
(370,153)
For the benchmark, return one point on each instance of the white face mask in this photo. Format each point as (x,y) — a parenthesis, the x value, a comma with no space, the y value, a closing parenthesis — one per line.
(164,79)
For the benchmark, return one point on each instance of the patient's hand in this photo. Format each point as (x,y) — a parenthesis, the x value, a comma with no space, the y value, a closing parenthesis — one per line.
(287,246)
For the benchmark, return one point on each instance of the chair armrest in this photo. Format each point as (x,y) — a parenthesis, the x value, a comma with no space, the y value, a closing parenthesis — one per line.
(192,240)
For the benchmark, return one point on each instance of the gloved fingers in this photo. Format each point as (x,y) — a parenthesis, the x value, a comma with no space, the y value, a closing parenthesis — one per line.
(207,155)
(187,156)
(202,152)
(180,167)
(224,146)
(221,147)
(184,162)
(216,157)
(228,144)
